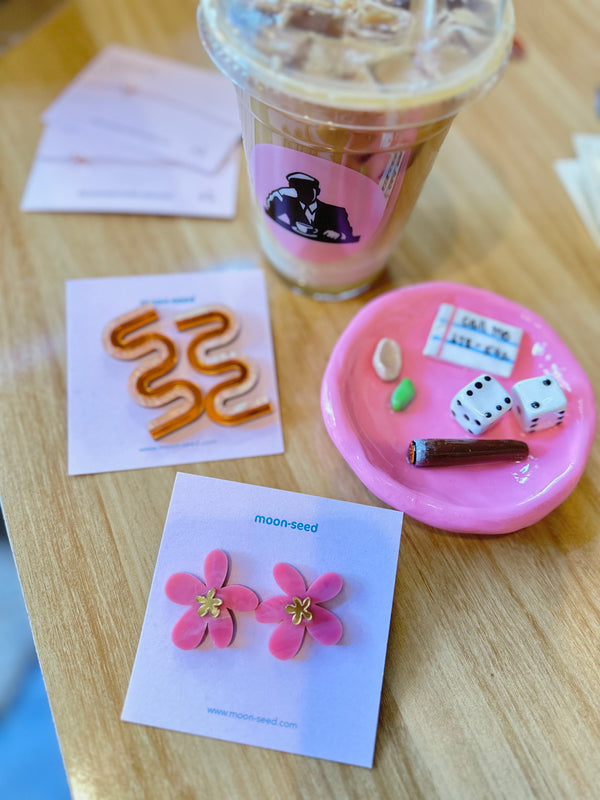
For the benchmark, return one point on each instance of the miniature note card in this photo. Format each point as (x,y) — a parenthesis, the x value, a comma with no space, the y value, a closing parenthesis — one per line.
(135,133)
(170,369)
(472,340)
(268,619)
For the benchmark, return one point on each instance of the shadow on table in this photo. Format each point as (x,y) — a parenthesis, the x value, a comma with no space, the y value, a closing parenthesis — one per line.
(19,17)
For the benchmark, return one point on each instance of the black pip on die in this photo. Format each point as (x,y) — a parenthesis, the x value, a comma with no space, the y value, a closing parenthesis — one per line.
(539,403)
(480,404)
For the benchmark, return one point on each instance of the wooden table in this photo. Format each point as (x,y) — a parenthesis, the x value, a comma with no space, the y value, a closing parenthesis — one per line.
(492,681)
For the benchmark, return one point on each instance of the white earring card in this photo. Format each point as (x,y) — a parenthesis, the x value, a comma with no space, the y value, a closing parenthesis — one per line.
(119,394)
(324,700)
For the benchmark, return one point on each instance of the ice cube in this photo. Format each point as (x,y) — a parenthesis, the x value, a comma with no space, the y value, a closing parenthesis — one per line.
(309,18)
(376,22)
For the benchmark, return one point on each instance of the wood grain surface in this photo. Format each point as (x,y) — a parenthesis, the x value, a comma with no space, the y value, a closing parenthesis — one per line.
(492,686)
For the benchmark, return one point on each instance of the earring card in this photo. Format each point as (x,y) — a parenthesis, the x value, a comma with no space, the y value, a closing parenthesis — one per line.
(110,427)
(322,702)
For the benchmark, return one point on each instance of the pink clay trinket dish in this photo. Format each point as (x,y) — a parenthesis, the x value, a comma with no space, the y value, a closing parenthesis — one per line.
(489,498)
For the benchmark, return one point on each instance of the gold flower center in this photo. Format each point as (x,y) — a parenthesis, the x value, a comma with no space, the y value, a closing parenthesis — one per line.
(209,604)
(299,610)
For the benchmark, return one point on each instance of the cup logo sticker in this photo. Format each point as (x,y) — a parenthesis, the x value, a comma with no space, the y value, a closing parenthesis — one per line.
(312,203)
(298,208)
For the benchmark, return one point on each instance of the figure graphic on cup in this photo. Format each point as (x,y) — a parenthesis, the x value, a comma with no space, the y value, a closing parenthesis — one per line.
(297,208)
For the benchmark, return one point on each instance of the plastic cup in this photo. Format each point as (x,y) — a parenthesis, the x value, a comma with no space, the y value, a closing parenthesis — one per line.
(344,106)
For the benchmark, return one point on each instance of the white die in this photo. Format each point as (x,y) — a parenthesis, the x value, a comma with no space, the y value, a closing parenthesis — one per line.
(539,403)
(480,404)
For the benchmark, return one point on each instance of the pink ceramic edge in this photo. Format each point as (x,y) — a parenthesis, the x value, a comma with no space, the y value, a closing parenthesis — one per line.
(418,505)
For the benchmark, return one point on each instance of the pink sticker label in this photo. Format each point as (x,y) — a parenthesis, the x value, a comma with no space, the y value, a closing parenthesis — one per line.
(317,209)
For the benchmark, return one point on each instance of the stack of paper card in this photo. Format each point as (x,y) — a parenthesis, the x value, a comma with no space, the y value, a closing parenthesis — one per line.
(581,178)
(138,134)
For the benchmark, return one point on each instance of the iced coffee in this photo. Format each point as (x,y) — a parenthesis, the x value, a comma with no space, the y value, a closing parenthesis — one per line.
(344,106)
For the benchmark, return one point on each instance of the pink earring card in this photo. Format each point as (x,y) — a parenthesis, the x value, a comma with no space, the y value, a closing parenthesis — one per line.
(285,675)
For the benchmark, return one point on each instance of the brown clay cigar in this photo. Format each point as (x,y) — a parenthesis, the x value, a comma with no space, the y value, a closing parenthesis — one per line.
(454,452)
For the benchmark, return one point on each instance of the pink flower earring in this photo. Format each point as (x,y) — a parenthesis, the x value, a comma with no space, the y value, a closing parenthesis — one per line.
(211,603)
(299,610)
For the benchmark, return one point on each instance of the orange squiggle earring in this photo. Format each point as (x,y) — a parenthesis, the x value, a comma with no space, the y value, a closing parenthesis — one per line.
(221,328)
(163,359)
